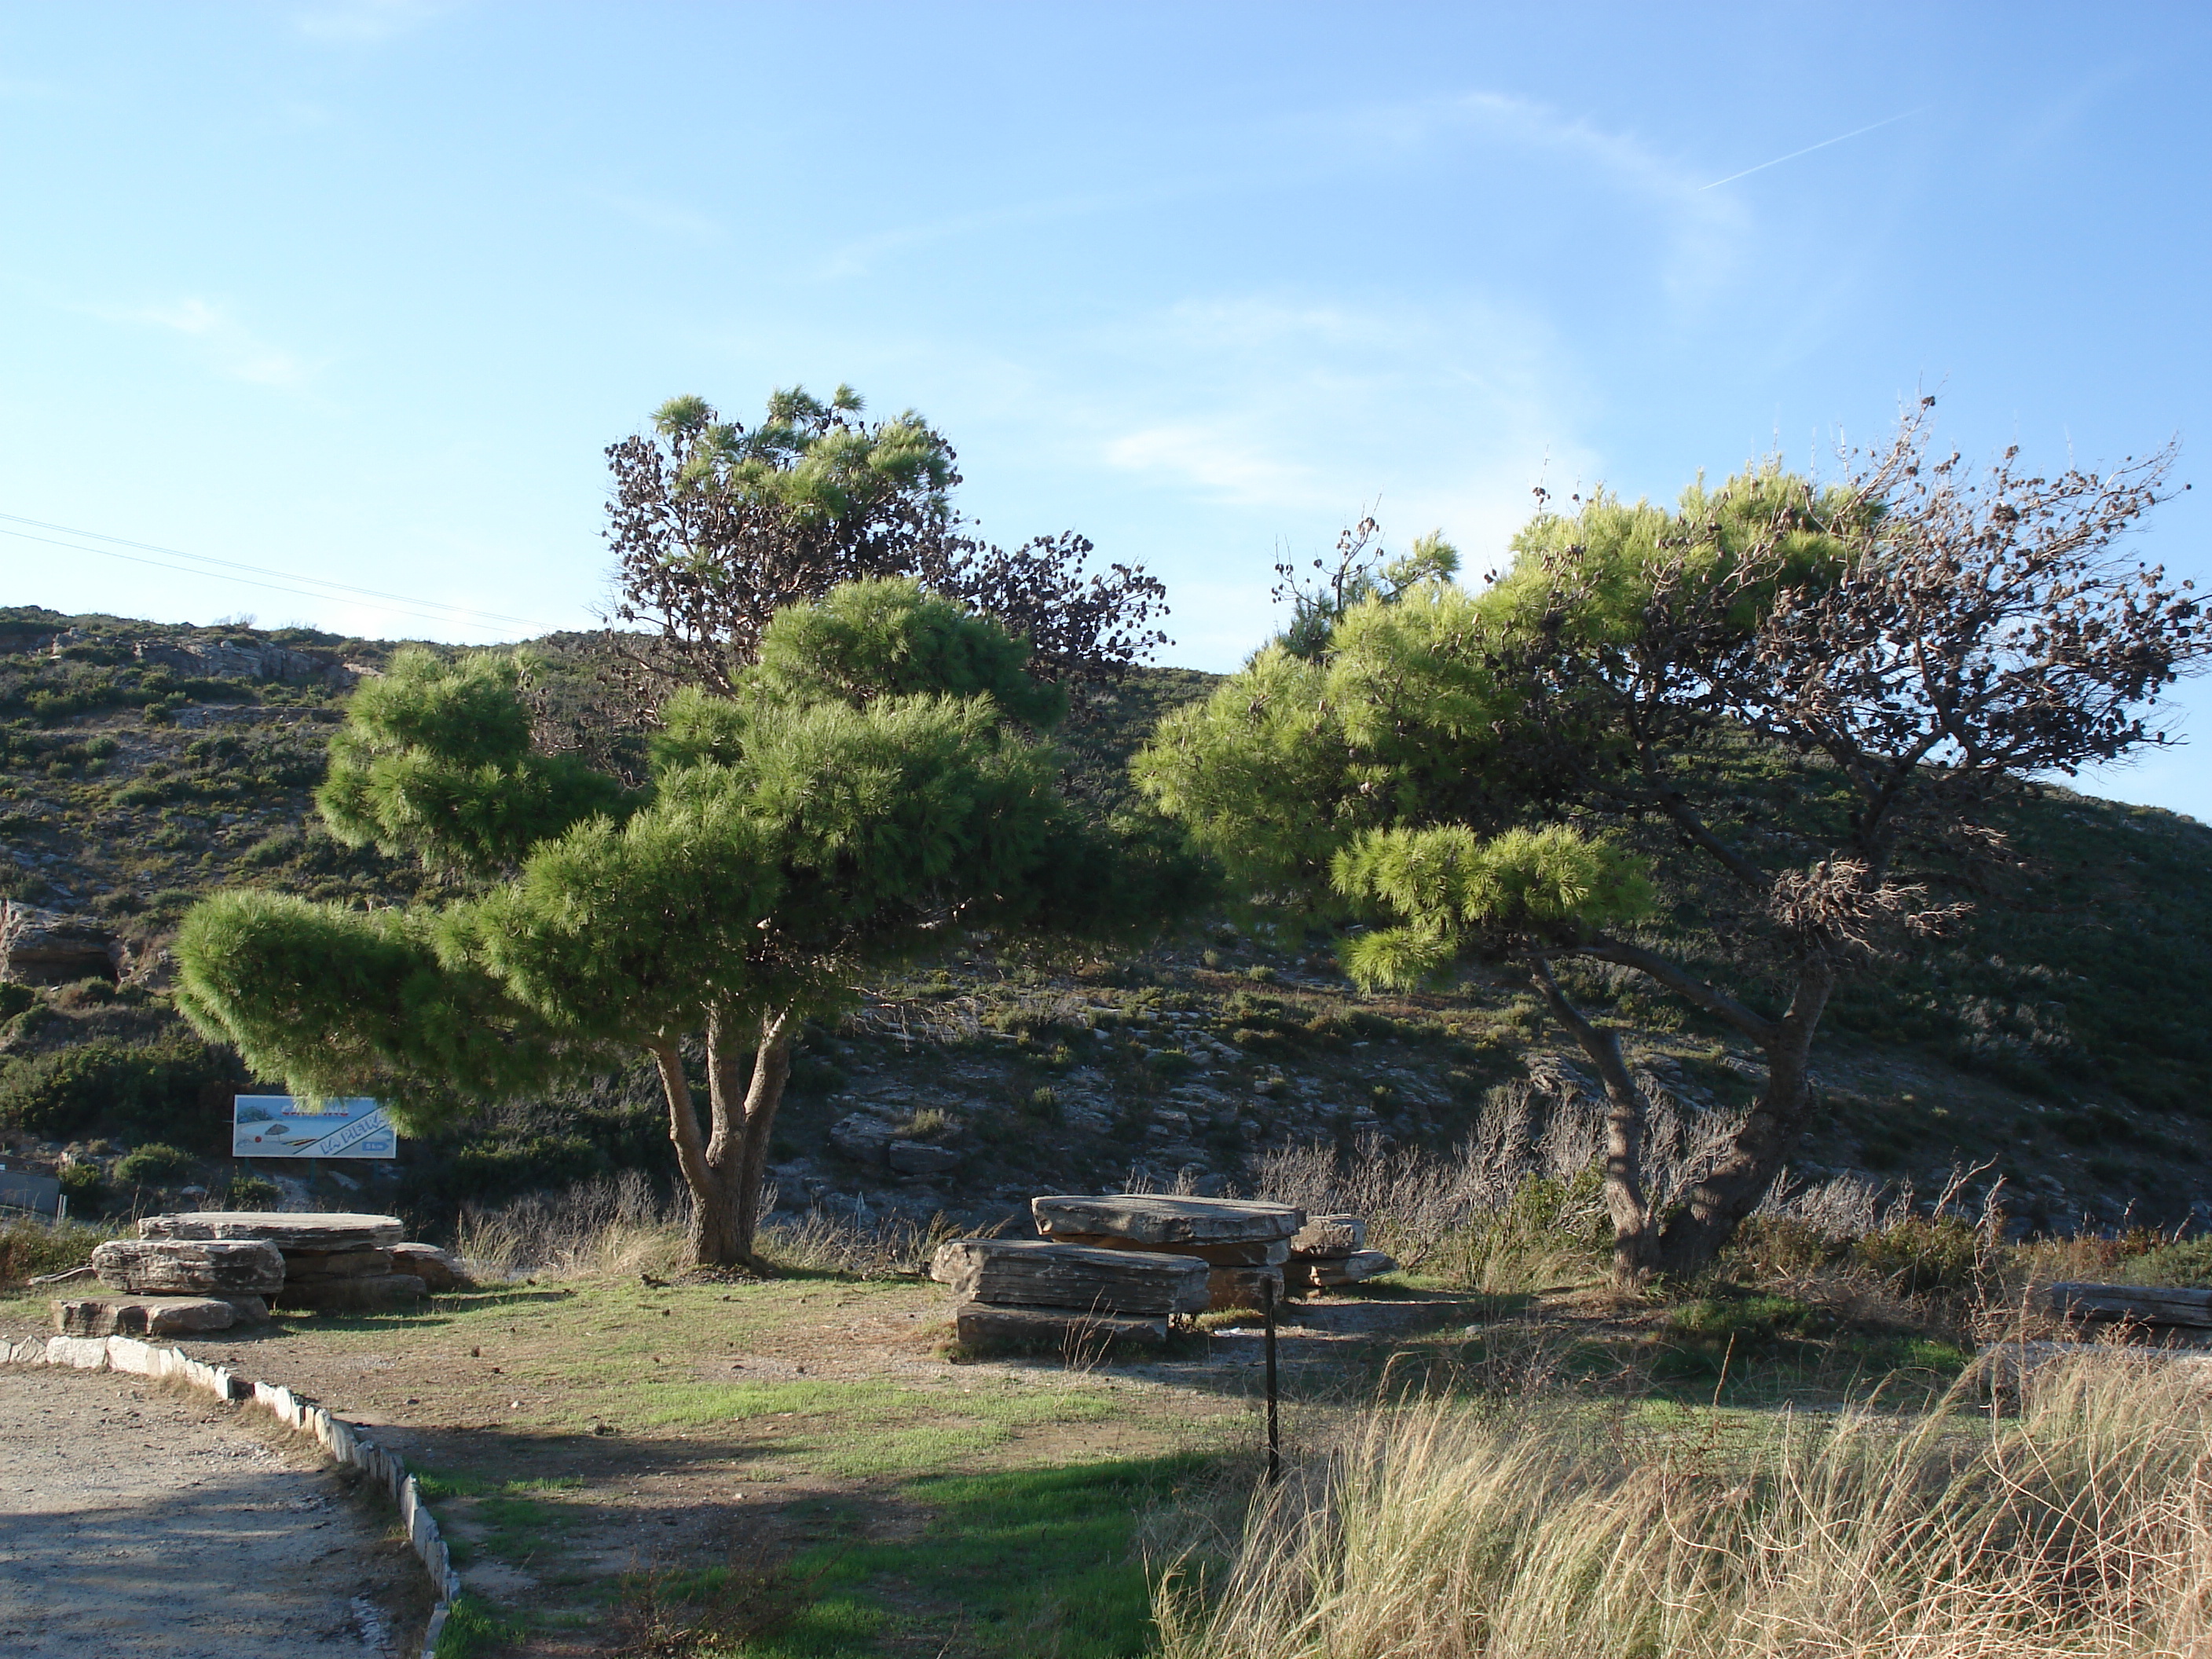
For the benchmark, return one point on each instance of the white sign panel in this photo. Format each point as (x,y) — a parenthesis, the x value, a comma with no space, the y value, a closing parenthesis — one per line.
(277,1125)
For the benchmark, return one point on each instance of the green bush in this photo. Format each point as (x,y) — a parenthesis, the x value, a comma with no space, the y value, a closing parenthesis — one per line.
(83,1185)
(1920,1256)
(174,1085)
(32,1249)
(15,999)
(248,1192)
(154,1164)
(2186,1264)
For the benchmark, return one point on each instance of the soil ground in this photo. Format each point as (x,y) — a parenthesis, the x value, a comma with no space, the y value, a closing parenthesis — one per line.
(143,1522)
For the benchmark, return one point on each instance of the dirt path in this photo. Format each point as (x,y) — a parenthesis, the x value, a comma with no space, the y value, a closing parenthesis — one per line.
(142,1524)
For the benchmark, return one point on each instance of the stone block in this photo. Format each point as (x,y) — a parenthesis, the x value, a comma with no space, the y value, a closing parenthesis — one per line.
(1151,1219)
(1272,1253)
(189,1267)
(980,1323)
(1031,1272)
(302,1266)
(145,1315)
(439,1270)
(1299,1274)
(1330,1235)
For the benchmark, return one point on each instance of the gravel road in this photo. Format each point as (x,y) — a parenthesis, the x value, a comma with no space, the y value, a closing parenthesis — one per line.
(136,1522)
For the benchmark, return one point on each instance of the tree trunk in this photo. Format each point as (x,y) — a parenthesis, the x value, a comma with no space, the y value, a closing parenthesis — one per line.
(1720,1203)
(763,1095)
(724,1163)
(713,1226)
(1634,1238)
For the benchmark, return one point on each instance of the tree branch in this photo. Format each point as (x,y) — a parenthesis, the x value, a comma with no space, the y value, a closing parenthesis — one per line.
(1684,984)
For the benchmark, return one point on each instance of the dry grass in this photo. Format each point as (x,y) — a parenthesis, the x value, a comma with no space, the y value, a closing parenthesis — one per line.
(2076,1524)
(621,1227)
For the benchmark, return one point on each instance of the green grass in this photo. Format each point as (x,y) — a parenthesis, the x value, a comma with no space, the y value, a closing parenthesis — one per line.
(1030,1561)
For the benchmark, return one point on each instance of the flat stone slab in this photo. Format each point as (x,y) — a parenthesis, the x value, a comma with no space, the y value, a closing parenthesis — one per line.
(154,1315)
(1326,1236)
(1272,1253)
(361,1295)
(2147,1305)
(287,1229)
(1031,1272)
(1345,1270)
(979,1323)
(1150,1219)
(190,1267)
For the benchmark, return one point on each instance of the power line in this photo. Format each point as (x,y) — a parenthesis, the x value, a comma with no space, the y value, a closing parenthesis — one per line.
(389,610)
(410,599)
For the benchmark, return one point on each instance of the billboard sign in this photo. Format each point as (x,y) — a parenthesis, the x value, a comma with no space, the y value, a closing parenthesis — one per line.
(277,1125)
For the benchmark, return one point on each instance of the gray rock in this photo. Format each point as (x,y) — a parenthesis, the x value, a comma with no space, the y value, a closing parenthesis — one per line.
(1030,1272)
(1271,1253)
(173,1266)
(287,1229)
(152,1315)
(979,1324)
(436,1268)
(2145,1304)
(920,1158)
(1333,1236)
(1349,1270)
(1151,1219)
(864,1138)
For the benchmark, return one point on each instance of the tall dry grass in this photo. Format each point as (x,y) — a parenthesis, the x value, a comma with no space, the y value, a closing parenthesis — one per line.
(2076,1522)
(620,1226)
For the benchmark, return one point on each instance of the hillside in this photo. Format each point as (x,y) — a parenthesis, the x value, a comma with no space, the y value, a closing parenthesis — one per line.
(143,765)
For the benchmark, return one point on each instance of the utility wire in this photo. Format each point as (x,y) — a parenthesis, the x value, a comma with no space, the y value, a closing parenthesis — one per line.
(366,604)
(463,611)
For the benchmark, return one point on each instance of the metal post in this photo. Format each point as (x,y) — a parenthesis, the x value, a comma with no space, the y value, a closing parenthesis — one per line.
(1274,1439)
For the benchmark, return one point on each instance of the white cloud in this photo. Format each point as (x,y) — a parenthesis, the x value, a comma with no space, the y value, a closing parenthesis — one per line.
(233,349)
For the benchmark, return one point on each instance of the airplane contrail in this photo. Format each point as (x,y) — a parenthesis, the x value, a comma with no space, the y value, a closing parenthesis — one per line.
(1807,150)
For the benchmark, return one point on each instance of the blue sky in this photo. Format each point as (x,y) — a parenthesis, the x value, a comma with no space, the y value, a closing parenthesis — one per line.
(361,291)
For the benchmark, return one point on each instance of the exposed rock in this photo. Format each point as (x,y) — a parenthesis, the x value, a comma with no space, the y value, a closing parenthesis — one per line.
(2143,1304)
(157,1315)
(1336,1236)
(864,1138)
(1348,1270)
(1028,1273)
(287,1229)
(979,1323)
(1151,1219)
(437,1269)
(364,1295)
(918,1158)
(170,1266)
(46,948)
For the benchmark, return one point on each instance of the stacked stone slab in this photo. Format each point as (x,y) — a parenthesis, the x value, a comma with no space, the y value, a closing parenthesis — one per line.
(1331,1250)
(174,1287)
(333,1263)
(1243,1243)
(1029,1289)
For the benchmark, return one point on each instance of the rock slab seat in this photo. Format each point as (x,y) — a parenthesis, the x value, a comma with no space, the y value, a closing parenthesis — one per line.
(154,1315)
(1243,1287)
(979,1323)
(1031,1272)
(2146,1304)
(1271,1254)
(190,1267)
(286,1230)
(1153,1219)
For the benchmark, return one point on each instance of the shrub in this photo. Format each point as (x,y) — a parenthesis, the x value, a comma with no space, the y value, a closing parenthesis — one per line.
(1918,1256)
(15,998)
(2187,1263)
(32,1249)
(171,1085)
(154,1164)
(248,1192)
(83,1185)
